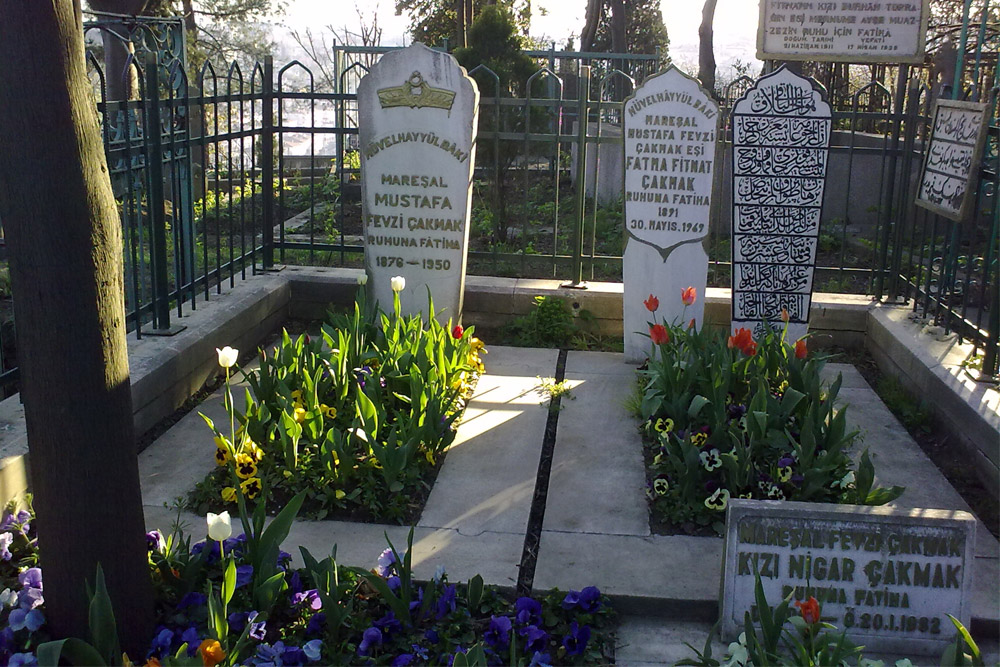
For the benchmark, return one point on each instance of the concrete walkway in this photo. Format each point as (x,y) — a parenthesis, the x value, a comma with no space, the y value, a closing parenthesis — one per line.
(595,529)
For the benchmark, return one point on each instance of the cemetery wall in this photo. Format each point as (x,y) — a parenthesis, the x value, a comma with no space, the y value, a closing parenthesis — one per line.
(168,370)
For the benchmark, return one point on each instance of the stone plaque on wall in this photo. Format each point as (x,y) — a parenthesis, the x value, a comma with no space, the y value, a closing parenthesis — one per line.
(417,122)
(839,31)
(781,142)
(670,126)
(888,576)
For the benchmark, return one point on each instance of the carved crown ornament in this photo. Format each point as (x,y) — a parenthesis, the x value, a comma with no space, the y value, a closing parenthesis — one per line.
(416,94)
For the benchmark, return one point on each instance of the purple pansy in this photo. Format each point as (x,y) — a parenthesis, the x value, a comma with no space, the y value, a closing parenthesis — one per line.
(535,638)
(540,659)
(386,560)
(316,623)
(192,599)
(244,574)
(402,660)
(371,638)
(311,649)
(588,600)
(576,641)
(498,633)
(446,603)
(155,541)
(21,618)
(31,578)
(23,660)
(527,611)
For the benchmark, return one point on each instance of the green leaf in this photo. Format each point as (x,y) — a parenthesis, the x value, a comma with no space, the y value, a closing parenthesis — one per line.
(278,529)
(103,629)
(75,651)
(977,657)
(229,583)
(475,593)
(697,404)
(266,593)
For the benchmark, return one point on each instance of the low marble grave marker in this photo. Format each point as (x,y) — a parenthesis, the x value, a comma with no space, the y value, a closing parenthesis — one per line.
(418,111)
(888,576)
(781,141)
(670,131)
(951,163)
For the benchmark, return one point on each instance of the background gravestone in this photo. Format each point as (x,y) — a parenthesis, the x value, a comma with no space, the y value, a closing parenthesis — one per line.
(417,120)
(670,130)
(781,142)
(887,576)
(951,163)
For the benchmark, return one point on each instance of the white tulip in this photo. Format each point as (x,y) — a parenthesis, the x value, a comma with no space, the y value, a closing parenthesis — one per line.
(227,356)
(363,279)
(219,526)
(398,283)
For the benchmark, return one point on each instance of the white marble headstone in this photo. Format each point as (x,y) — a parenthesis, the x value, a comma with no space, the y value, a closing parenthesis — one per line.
(417,123)
(781,140)
(670,132)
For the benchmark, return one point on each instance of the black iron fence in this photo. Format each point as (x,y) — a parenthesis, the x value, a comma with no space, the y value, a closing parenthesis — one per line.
(234,170)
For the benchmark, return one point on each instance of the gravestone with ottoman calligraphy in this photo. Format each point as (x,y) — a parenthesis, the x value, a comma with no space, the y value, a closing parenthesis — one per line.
(417,122)
(781,142)
(670,131)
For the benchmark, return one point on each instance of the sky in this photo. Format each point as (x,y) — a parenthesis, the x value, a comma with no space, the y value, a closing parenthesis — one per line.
(735,24)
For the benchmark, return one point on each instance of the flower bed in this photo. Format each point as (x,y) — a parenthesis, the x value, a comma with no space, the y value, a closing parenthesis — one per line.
(358,418)
(235,600)
(734,416)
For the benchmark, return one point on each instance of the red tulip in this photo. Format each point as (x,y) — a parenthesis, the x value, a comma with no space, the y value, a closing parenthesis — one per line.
(658,333)
(652,303)
(689,295)
(457,332)
(691,324)
(809,609)
(800,349)
(741,340)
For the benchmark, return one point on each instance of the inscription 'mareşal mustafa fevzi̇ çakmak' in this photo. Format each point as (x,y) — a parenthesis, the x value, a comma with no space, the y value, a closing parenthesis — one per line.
(418,112)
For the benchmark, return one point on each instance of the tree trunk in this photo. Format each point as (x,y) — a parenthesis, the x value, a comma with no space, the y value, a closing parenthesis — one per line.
(66,269)
(593,19)
(706,48)
(461,27)
(619,44)
(190,22)
(121,84)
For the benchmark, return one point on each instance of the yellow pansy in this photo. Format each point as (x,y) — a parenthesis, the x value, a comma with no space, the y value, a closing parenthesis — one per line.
(229,494)
(251,487)
(221,456)
(664,425)
(246,467)
(328,412)
(297,395)
(300,415)
(340,494)
(253,451)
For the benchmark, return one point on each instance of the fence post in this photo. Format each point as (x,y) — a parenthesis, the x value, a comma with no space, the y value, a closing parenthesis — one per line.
(267,168)
(583,97)
(153,137)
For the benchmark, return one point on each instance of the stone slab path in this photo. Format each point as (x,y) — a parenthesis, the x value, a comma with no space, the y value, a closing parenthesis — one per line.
(595,529)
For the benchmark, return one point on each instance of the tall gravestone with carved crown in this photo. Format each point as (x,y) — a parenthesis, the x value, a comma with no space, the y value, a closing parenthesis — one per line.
(781,141)
(417,123)
(670,135)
